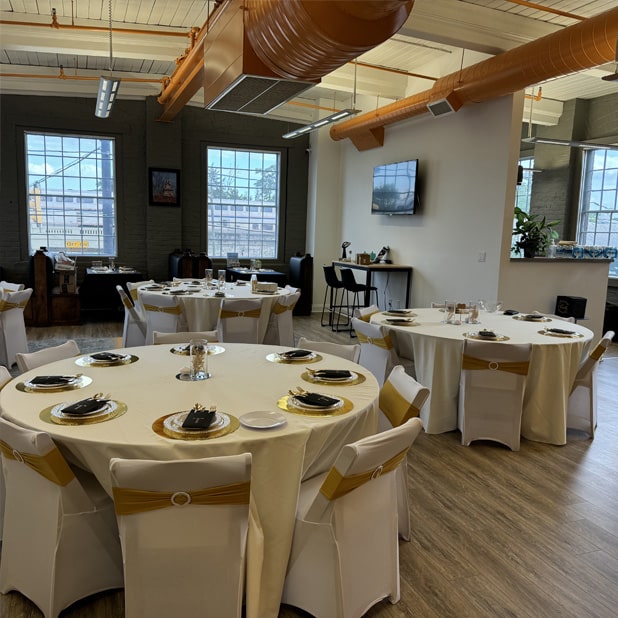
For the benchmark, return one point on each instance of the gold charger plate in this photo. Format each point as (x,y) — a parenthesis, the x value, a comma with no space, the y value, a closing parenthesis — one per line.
(275,358)
(79,383)
(284,404)
(401,321)
(193,434)
(525,318)
(564,335)
(404,313)
(117,408)
(307,377)
(479,338)
(212,350)
(87,361)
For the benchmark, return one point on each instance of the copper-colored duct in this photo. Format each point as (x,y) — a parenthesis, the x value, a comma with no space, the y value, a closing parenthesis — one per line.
(582,46)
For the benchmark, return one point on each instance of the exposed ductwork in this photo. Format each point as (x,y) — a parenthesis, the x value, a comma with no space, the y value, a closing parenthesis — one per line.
(582,46)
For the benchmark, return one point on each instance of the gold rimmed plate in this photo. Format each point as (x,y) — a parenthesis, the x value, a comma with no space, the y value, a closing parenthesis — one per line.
(170,426)
(183,349)
(54,414)
(477,337)
(355,378)
(274,357)
(531,318)
(566,335)
(88,361)
(401,321)
(400,313)
(287,403)
(28,387)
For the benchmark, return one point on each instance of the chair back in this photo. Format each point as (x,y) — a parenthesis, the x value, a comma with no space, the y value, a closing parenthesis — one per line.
(491,391)
(365,313)
(186,520)
(239,320)
(133,287)
(349,280)
(291,289)
(32,360)
(184,337)
(163,314)
(5,378)
(350,352)
(6,286)
(12,326)
(401,397)
(331,278)
(134,329)
(589,364)
(280,329)
(377,350)
(553,316)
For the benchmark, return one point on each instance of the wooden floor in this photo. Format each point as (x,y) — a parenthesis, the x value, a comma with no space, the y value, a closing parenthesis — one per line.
(496,533)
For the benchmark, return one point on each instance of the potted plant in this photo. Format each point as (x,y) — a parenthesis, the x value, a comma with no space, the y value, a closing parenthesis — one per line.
(533,233)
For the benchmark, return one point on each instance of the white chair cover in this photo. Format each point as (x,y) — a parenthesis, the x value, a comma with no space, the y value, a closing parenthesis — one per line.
(60,536)
(7,286)
(553,316)
(185,560)
(377,351)
(401,398)
(291,289)
(351,351)
(5,377)
(280,329)
(239,321)
(491,392)
(12,326)
(364,313)
(184,337)
(32,360)
(163,314)
(345,554)
(133,286)
(582,405)
(134,329)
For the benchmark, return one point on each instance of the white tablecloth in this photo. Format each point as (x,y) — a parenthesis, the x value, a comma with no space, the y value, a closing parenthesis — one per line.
(437,349)
(243,380)
(201,307)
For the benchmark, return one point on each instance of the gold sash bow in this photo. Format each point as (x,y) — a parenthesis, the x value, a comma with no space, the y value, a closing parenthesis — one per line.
(279,308)
(335,485)
(396,407)
(5,305)
(175,310)
(597,352)
(253,313)
(131,501)
(385,343)
(472,363)
(51,466)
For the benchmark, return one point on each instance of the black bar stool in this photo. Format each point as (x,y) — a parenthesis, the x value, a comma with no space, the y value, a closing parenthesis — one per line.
(333,285)
(350,285)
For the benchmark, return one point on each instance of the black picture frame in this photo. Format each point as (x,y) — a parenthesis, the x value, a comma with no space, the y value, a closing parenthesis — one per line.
(163,186)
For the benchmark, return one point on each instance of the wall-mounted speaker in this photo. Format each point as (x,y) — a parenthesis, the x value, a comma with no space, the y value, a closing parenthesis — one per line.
(571,307)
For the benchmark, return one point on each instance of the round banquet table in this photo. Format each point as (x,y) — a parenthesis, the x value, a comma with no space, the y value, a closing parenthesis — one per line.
(437,350)
(243,380)
(201,306)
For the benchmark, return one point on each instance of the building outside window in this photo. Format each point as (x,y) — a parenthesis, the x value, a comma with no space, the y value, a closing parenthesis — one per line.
(243,202)
(524,188)
(598,209)
(71,194)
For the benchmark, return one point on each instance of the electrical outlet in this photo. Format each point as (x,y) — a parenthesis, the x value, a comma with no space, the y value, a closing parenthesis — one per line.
(482,256)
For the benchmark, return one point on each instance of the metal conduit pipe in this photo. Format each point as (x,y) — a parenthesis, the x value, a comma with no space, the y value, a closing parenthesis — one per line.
(582,46)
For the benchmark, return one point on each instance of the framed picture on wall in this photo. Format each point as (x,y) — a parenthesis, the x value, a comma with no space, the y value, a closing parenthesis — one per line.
(163,187)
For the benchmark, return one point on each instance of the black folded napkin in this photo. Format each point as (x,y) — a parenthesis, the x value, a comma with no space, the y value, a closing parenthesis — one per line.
(85,406)
(561,331)
(199,419)
(107,356)
(296,354)
(487,333)
(316,400)
(399,320)
(52,380)
(332,374)
(511,312)
(534,316)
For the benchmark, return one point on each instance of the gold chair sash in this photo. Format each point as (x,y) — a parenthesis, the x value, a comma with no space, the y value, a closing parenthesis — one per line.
(134,294)
(175,310)
(336,485)
(5,305)
(131,501)
(253,313)
(51,466)
(367,316)
(597,352)
(385,343)
(126,302)
(472,363)
(395,406)
(279,308)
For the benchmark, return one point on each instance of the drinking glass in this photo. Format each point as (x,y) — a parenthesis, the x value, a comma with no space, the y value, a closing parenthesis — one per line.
(198,363)
(221,280)
(473,313)
(208,277)
(112,263)
(449,312)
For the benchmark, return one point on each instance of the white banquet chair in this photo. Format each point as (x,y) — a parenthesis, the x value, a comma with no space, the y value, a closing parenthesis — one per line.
(582,405)
(183,528)
(60,536)
(184,337)
(349,351)
(345,554)
(365,313)
(32,360)
(491,392)
(7,286)
(12,326)
(133,287)
(401,398)
(163,314)
(134,328)
(239,321)
(5,378)
(280,329)
(377,350)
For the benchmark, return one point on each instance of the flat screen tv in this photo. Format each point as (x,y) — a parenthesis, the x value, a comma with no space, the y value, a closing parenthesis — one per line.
(394,188)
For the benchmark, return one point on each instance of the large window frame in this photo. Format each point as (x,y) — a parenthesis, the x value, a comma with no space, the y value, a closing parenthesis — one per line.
(243,198)
(71,193)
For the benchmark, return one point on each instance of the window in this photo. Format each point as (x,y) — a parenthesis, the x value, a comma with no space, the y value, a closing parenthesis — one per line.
(598,211)
(243,202)
(71,193)
(524,188)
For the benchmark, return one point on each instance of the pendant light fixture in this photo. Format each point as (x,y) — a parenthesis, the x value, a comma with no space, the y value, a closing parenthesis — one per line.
(108,86)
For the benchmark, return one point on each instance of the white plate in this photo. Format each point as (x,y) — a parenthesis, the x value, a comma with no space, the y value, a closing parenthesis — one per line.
(297,359)
(262,420)
(122,358)
(58,412)
(44,387)
(303,406)
(402,313)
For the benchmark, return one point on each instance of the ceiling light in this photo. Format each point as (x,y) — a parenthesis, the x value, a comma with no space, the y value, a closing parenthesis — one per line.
(566,142)
(108,86)
(344,113)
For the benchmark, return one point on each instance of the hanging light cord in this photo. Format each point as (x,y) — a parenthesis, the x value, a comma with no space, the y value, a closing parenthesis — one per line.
(109,4)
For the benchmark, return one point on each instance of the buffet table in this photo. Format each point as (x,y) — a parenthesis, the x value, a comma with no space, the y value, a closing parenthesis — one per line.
(437,349)
(245,378)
